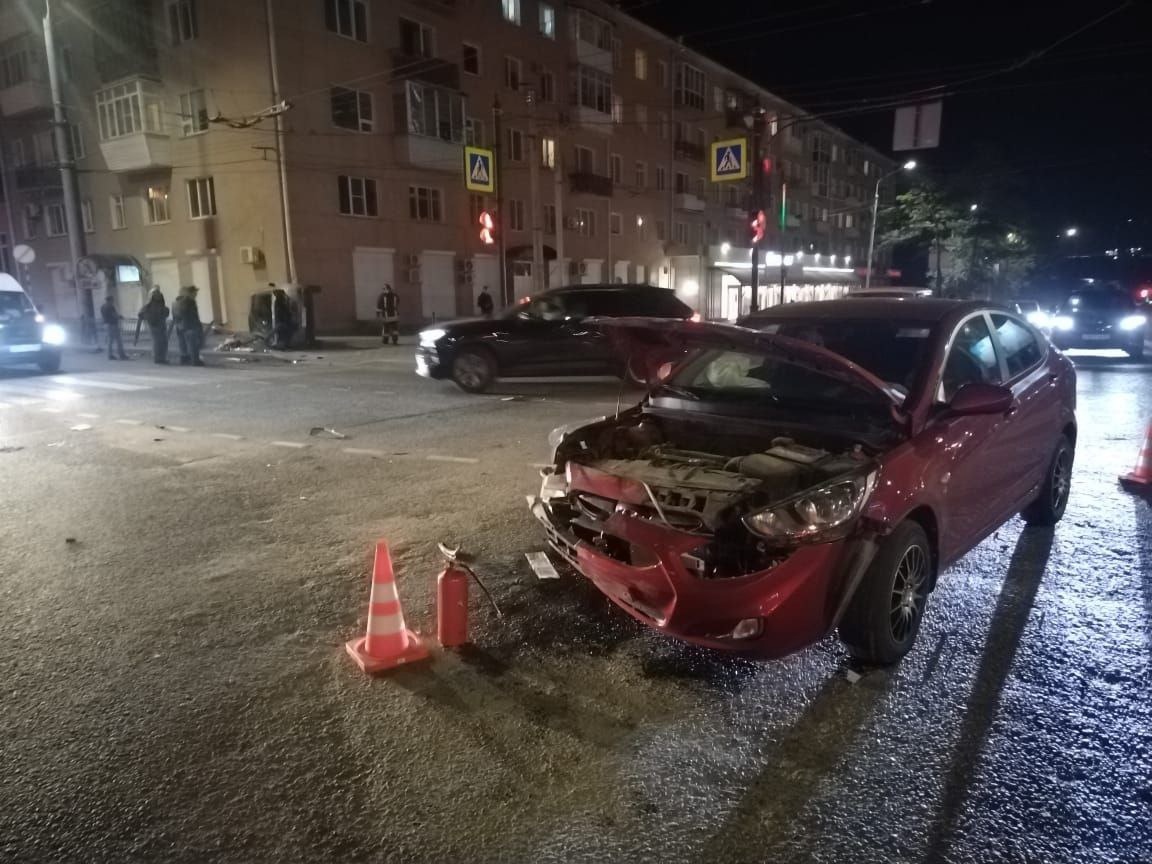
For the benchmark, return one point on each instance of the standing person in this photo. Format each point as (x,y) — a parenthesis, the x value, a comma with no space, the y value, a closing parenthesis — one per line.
(111,318)
(154,313)
(282,325)
(484,302)
(388,310)
(189,330)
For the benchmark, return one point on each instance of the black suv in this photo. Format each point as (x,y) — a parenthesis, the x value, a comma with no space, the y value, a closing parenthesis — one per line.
(1104,318)
(544,335)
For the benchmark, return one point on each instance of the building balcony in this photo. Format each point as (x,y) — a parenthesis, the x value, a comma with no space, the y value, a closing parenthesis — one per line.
(431,70)
(688,201)
(141,151)
(591,119)
(688,152)
(37,177)
(424,151)
(587,54)
(25,98)
(590,184)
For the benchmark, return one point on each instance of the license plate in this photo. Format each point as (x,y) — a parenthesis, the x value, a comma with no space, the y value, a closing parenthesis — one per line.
(23,349)
(1095,337)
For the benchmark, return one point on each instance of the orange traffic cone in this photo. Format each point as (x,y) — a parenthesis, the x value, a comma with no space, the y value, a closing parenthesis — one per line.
(388,642)
(1140,480)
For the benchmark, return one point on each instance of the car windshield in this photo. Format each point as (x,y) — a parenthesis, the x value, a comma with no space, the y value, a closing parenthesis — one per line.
(15,304)
(1096,301)
(896,352)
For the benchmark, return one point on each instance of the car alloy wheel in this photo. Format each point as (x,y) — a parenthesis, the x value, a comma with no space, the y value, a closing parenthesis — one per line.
(908,592)
(1061,480)
(472,371)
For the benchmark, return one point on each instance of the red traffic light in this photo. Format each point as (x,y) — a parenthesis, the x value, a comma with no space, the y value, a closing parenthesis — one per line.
(487,228)
(759,225)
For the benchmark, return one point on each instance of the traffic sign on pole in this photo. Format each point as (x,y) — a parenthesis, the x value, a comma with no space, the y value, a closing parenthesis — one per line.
(729,160)
(479,173)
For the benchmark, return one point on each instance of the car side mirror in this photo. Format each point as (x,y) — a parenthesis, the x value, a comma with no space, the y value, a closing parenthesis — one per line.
(981,398)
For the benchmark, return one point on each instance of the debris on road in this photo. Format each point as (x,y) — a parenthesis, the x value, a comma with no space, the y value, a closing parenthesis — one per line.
(317,431)
(70,541)
(80,427)
(541,566)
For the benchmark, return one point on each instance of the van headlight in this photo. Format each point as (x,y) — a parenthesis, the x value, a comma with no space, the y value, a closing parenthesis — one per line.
(816,516)
(1132,322)
(53,334)
(429,338)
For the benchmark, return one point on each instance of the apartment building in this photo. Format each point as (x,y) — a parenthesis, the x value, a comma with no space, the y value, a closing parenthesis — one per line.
(171,105)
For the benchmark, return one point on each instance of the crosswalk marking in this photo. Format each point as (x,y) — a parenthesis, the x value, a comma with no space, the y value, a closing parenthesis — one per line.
(58,389)
(103,384)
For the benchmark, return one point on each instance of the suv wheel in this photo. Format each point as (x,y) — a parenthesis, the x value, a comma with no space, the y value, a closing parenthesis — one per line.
(49,361)
(1136,352)
(474,370)
(1049,506)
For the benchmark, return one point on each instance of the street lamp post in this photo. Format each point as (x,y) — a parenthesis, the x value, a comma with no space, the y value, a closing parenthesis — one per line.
(907,166)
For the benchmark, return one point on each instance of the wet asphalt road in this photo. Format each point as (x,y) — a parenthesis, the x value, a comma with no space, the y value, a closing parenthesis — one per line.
(175,688)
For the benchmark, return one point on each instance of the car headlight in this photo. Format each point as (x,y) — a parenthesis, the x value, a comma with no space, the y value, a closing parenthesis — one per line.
(429,338)
(1038,319)
(1064,322)
(556,436)
(53,334)
(815,516)
(1132,322)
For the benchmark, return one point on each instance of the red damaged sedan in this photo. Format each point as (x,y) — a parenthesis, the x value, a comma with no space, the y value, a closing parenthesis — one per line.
(817,468)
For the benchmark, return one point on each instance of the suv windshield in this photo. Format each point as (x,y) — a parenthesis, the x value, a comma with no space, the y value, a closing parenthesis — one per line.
(1096,301)
(15,304)
(622,302)
(896,352)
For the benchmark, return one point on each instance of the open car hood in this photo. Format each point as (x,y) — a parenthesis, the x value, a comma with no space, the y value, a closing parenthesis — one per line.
(650,342)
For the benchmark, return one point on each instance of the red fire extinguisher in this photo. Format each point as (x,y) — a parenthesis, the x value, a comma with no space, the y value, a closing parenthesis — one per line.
(452,599)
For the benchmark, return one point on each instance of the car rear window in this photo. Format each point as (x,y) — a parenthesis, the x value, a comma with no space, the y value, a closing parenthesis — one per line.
(612,303)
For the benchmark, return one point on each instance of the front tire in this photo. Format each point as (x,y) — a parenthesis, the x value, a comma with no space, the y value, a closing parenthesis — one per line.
(883,618)
(49,362)
(1136,352)
(474,370)
(1050,504)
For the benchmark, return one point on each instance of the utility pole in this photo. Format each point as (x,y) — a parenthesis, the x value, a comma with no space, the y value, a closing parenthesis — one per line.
(76,241)
(285,216)
(558,191)
(757,122)
(501,222)
(535,155)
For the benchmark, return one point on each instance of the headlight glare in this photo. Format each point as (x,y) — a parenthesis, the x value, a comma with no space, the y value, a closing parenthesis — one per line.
(429,338)
(815,516)
(1065,322)
(1132,322)
(53,335)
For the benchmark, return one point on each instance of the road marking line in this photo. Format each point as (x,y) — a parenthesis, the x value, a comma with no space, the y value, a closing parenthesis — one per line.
(361,451)
(89,416)
(295,445)
(227,436)
(103,385)
(463,460)
(124,422)
(26,403)
(49,409)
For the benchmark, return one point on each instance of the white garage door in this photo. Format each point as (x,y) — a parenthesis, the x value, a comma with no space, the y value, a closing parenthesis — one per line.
(372,268)
(438,285)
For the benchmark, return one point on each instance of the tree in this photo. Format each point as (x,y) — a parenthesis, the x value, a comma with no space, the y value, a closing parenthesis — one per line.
(923,217)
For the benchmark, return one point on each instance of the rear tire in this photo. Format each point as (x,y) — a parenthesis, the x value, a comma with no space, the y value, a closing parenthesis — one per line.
(883,618)
(49,362)
(474,370)
(1052,501)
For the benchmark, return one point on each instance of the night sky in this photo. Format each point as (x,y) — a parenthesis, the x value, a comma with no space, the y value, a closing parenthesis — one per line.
(1064,139)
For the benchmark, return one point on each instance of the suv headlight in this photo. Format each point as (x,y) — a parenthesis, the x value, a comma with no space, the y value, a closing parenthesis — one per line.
(429,338)
(53,334)
(816,516)
(1064,322)
(1132,322)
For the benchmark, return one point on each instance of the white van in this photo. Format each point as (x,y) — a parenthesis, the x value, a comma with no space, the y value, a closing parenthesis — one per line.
(26,339)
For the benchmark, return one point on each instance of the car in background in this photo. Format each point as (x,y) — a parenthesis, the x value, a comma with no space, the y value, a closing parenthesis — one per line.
(888,293)
(1101,318)
(26,337)
(547,335)
(819,472)
(1033,312)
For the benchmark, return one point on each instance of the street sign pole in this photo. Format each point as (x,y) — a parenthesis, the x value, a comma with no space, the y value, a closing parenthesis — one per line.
(757,201)
(501,222)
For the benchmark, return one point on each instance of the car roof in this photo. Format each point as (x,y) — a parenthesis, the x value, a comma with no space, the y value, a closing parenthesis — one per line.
(618,286)
(931,309)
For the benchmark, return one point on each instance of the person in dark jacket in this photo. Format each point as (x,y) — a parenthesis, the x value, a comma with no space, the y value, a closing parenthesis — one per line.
(484,302)
(154,313)
(111,318)
(388,310)
(283,326)
(189,330)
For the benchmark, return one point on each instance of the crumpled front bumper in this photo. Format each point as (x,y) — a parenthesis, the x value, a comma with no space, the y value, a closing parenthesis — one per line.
(797,601)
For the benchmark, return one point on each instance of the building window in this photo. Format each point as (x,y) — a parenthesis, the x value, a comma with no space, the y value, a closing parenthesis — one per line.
(424,204)
(515,145)
(640,62)
(547,21)
(201,198)
(515,215)
(700,188)
(86,216)
(661,178)
(617,108)
(434,112)
(6,263)
(56,226)
(511,10)
(182,20)
(690,86)
(641,175)
(415,39)
(593,89)
(31,226)
(662,122)
(193,113)
(15,61)
(471,58)
(116,209)
(661,230)
(617,53)
(477,204)
(16,153)
(43,148)
(127,109)
(549,218)
(586,222)
(642,118)
(349,18)
(591,29)
(547,86)
(585,160)
(156,205)
(474,132)
(513,73)
(615,223)
(547,152)
(77,136)
(357,195)
(681,183)
(681,233)
(616,167)
(351,109)
(662,73)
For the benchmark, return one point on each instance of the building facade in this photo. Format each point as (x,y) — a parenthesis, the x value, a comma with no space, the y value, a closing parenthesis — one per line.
(172,110)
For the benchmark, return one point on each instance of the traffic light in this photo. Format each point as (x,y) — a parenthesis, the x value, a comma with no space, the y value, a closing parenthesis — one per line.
(759,225)
(487,228)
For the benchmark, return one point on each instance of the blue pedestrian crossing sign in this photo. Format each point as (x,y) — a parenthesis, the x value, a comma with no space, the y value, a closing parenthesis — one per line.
(729,160)
(479,170)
